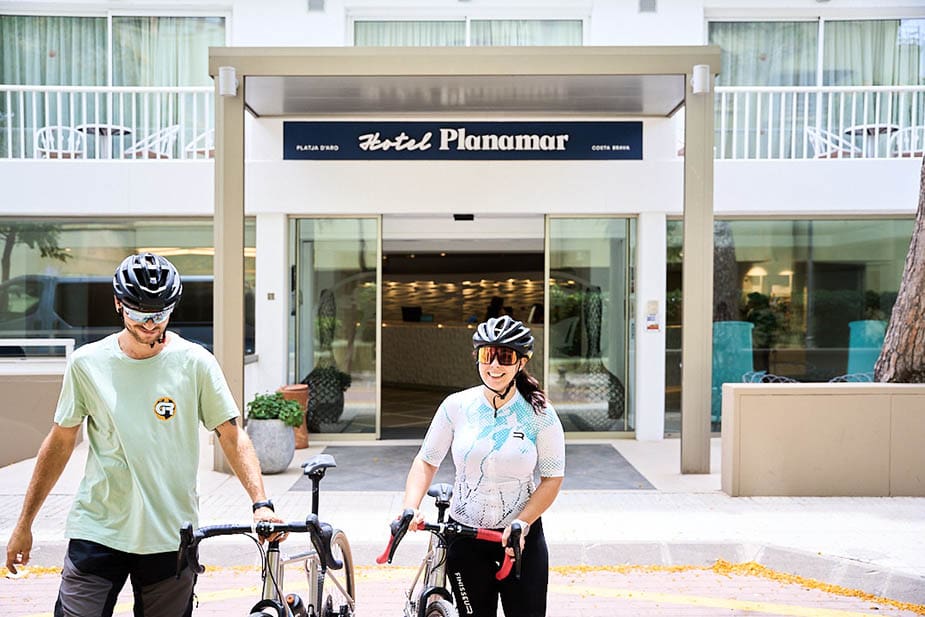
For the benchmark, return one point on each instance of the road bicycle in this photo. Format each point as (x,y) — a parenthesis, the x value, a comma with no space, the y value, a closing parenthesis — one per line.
(328,564)
(428,595)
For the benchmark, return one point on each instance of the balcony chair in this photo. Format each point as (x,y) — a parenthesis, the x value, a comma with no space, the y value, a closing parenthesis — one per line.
(157,145)
(58,142)
(908,142)
(828,145)
(202,147)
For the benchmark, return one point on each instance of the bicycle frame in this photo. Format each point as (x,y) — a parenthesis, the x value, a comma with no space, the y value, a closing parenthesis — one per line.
(315,562)
(433,581)
(431,574)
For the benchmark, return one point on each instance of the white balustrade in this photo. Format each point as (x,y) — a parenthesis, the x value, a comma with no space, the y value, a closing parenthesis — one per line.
(110,119)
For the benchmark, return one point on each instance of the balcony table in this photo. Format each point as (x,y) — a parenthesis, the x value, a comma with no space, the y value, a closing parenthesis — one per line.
(870,131)
(104,132)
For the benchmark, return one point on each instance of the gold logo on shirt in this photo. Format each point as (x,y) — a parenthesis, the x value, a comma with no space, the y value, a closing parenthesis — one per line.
(165,408)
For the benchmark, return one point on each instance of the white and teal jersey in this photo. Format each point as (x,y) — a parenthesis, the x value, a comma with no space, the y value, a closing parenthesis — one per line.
(495,453)
(143,419)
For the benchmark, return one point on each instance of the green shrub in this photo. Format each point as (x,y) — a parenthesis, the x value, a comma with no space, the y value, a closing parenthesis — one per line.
(275,407)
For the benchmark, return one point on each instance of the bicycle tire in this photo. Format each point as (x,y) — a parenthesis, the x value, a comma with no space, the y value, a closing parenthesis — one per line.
(340,603)
(440,608)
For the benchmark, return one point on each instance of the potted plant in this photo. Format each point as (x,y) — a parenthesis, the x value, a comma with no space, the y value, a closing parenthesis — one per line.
(270,420)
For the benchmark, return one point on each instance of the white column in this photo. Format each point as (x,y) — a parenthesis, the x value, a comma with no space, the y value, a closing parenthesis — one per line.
(271,305)
(650,336)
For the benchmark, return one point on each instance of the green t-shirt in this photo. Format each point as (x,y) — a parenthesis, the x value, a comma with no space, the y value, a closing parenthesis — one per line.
(143,419)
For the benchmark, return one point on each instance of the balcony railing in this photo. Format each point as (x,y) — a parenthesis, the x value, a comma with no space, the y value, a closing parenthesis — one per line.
(819,122)
(177,123)
(78,122)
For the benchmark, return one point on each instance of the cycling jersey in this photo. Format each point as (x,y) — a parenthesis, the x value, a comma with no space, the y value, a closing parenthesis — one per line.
(496,454)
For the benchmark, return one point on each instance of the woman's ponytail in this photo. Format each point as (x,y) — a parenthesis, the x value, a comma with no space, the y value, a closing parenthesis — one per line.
(529,388)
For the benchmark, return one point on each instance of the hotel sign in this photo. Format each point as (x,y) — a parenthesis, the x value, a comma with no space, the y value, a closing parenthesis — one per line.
(407,141)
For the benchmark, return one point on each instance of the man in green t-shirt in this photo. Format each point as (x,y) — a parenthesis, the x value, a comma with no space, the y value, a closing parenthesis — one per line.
(143,392)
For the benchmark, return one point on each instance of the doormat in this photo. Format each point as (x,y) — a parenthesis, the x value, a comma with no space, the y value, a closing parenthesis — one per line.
(384,468)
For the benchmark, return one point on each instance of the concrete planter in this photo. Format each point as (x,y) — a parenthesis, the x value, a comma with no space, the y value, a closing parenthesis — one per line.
(274,442)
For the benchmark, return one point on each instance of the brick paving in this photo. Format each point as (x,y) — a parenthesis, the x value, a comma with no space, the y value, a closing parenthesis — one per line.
(584,591)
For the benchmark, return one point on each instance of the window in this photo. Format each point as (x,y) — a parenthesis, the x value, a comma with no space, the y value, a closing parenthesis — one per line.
(57,281)
(887,52)
(860,53)
(766,53)
(482,32)
(874,53)
(147,51)
(802,299)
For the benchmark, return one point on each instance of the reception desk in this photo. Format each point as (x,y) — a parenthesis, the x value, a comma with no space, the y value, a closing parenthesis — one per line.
(429,354)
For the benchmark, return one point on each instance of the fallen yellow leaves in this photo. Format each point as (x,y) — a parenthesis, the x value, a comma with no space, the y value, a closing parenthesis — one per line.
(750,568)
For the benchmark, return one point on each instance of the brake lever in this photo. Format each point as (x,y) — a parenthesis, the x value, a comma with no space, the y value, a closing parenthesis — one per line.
(189,548)
(513,541)
(321,534)
(398,527)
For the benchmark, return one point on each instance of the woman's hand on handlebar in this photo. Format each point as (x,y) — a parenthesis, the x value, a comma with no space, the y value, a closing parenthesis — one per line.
(506,535)
(417,521)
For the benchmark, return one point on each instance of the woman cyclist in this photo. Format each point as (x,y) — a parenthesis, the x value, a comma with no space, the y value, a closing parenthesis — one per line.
(500,433)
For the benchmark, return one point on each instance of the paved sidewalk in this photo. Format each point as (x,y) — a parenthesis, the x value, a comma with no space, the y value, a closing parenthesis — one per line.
(872,545)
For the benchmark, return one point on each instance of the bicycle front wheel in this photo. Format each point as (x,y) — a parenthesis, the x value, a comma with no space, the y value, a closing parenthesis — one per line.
(338,593)
(440,608)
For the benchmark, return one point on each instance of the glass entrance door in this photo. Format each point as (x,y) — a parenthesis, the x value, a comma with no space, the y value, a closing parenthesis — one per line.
(590,261)
(335,316)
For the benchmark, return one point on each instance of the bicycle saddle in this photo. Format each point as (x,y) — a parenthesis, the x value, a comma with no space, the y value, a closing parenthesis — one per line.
(317,465)
(441,492)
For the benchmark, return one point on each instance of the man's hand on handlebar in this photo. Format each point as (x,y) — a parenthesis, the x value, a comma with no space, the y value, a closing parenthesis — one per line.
(268,515)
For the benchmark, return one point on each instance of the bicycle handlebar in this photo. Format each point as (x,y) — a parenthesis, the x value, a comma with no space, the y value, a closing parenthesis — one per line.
(400,526)
(319,533)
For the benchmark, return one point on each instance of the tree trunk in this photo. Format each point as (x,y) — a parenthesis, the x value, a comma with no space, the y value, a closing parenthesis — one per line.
(727,287)
(7,252)
(902,359)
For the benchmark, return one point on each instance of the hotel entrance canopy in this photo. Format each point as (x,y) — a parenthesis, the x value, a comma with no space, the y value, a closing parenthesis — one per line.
(593,82)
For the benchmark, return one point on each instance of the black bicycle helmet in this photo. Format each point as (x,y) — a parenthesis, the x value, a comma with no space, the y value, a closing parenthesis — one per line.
(504,331)
(147,282)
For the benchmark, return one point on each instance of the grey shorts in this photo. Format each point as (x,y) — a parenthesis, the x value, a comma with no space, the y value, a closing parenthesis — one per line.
(94,575)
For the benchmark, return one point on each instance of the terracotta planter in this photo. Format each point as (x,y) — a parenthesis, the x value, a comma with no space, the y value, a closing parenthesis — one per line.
(299,393)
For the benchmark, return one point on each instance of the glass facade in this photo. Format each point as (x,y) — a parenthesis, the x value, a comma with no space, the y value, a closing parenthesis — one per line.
(590,323)
(803,299)
(56,277)
(335,317)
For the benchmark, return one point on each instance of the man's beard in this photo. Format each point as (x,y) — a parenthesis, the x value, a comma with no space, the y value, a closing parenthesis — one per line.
(150,337)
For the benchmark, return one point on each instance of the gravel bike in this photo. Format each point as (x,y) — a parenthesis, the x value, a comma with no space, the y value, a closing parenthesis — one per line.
(328,564)
(429,595)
